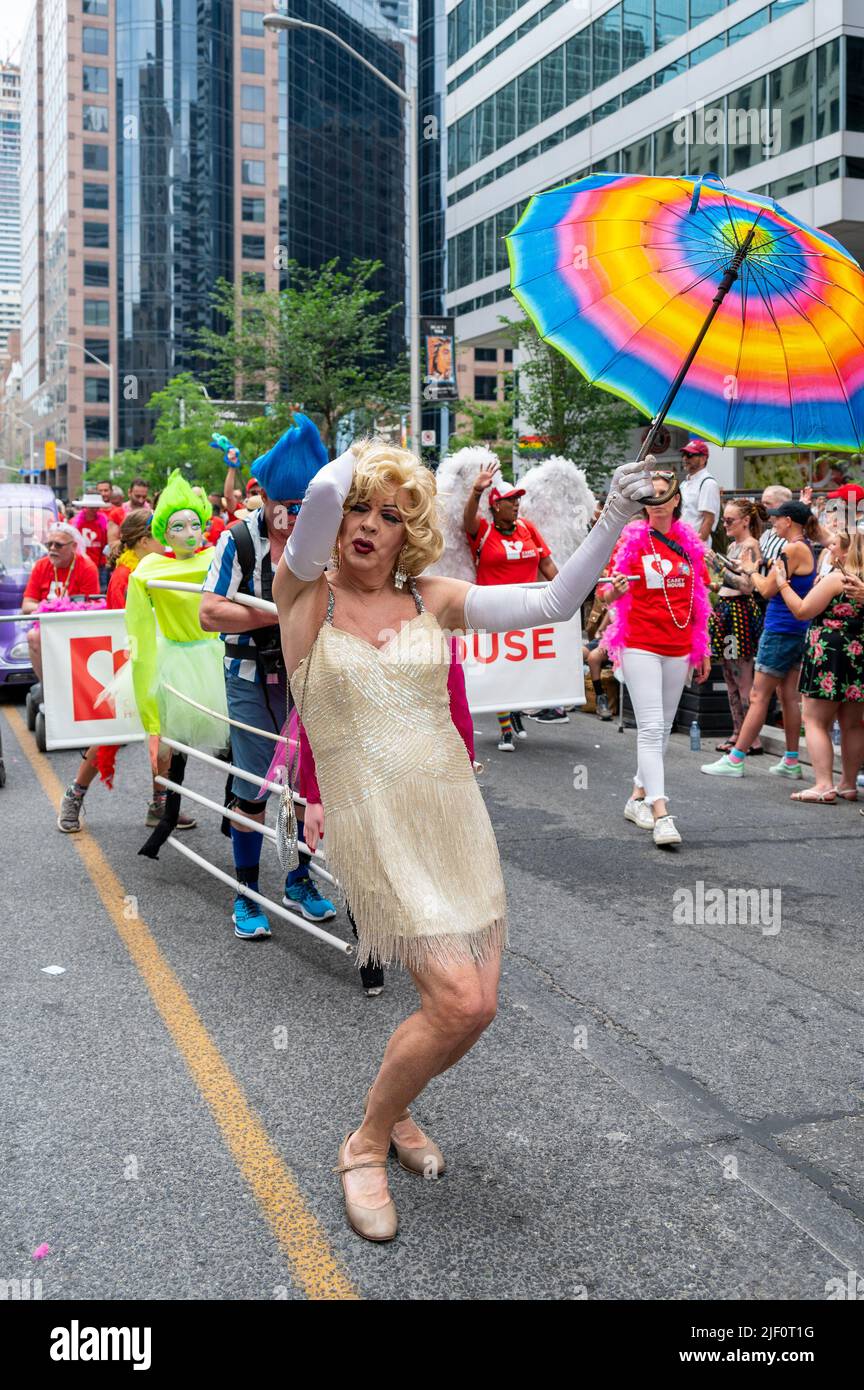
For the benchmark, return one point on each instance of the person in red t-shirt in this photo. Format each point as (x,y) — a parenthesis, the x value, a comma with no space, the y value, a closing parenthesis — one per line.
(507,550)
(64,572)
(658,634)
(92,522)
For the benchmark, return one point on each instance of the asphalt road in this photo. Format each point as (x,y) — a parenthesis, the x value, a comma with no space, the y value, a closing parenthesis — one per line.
(663,1109)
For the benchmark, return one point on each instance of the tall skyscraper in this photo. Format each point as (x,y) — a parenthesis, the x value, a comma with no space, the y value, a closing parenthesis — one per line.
(10,202)
(172,142)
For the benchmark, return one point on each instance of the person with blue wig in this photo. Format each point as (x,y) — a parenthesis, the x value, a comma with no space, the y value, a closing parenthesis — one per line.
(255,681)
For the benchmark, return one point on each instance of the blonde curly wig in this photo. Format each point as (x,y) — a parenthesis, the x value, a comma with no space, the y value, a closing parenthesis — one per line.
(381,467)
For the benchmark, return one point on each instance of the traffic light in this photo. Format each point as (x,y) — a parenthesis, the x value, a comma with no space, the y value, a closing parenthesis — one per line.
(50,456)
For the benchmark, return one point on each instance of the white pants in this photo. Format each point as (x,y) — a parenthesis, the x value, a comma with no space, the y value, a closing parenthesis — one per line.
(655,684)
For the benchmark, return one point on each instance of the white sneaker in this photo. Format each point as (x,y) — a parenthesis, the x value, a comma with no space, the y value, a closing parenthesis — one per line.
(665,832)
(640,813)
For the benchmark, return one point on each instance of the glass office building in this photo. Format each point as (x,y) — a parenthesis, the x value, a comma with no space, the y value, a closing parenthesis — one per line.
(180,141)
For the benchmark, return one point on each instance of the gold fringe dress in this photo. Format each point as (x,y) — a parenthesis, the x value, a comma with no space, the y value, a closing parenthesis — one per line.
(406,830)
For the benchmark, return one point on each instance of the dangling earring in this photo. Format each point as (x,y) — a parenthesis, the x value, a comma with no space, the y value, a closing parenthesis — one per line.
(401,575)
(334,557)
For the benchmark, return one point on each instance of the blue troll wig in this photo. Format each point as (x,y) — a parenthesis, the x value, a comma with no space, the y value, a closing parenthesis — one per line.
(287,469)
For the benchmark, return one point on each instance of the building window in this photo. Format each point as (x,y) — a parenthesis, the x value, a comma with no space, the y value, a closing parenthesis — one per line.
(252,135)
(99,347)
(748,26)
(793,183)
(95,79)
(791,90)
(96,234)
(828,88)
(96,427)
(251,22)
(505,113)
(670,156)
(96,196)
(96,390)
(745,124)
(96,118)
(577,63)
(637,29)
(636,158)
(94,40)
(485,388)
(96,312)
(528,99)
(252,171)
(251,97)
(96,158)
(552,84)
(252,60)
(854,83)
(96,274)
(95,6)
(606,45)
(252,283)
(252,248)
(252,209)
(704,9)
(486,354)
(508,354)
(670,20)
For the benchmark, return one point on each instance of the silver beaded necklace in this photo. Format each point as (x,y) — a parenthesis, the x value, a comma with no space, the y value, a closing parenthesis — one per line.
(680,626)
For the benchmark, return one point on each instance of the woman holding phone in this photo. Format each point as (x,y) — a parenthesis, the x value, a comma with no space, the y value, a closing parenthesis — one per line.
(832,671)
(659,634)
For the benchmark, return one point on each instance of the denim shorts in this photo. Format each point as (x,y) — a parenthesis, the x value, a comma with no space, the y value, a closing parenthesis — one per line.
(779,652)
(264,708)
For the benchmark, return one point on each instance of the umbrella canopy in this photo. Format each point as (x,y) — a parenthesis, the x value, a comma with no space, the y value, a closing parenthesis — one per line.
(620,273)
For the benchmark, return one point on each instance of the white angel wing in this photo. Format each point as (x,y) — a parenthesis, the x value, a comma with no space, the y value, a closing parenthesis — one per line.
(560,504)
(454,478)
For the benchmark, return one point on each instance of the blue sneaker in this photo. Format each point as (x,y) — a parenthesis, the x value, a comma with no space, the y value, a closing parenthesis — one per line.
(305,895)
(249,920)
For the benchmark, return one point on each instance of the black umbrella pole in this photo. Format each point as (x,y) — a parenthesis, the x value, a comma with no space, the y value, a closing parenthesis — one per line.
(656,424)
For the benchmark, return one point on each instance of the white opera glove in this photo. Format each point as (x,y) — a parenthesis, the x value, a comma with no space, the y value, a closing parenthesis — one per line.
(310,544)
(503,607)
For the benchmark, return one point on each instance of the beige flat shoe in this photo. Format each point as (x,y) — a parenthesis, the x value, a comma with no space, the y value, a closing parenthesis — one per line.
(426,1159)
(372,1223)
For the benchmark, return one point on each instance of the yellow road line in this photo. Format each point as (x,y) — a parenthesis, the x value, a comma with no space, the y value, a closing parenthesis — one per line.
(314,1265)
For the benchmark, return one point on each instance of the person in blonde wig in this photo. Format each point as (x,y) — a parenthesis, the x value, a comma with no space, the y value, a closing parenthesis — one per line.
(408,834)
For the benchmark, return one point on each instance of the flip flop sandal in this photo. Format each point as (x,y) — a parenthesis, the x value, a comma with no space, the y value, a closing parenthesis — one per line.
(816,798)
(847,793)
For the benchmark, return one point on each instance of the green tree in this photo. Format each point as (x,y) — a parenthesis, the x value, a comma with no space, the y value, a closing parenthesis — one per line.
(185,421)
(489,423)
(580,421)
(320,342)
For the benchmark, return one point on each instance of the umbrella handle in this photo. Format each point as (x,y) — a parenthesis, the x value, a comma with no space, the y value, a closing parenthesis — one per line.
(674,487)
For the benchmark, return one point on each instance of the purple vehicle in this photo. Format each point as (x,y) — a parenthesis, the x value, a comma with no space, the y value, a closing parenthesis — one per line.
(26,512)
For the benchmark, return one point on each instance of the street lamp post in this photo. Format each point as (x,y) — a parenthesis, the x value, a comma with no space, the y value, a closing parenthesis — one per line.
(17,420)
(111,379)
(278,22)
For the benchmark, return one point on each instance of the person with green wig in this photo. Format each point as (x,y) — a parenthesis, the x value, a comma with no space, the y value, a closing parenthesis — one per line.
(168,646)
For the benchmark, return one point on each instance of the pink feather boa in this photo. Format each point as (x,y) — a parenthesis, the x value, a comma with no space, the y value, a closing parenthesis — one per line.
(634,543)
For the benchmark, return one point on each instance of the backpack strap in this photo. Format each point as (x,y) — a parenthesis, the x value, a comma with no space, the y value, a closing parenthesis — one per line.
(245,554)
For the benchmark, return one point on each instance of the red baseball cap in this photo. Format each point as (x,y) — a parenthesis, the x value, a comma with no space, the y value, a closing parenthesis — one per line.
(253,482)
(849,492)
(695,446)
(511,493)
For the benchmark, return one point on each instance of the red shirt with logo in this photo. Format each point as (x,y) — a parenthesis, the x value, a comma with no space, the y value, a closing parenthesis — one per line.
(47,582)
(94,529)
(650,626)
(513,559)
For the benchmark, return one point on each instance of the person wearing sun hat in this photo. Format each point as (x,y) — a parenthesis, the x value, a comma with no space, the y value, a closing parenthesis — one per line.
(700,491)
(507,550)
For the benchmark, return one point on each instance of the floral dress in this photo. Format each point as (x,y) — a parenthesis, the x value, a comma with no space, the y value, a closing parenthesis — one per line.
(833,665)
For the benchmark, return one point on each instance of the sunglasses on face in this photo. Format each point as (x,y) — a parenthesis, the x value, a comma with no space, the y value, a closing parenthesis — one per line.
(57,545)
(292,508)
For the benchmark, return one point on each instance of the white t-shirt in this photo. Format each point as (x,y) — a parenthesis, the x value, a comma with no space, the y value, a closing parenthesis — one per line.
(700,493)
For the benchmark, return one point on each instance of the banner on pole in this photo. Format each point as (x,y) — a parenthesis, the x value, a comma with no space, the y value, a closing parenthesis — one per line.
(439,359)
(81,654)
(529,670)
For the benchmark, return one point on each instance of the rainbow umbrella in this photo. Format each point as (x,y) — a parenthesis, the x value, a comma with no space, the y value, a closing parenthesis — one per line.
(714,309)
